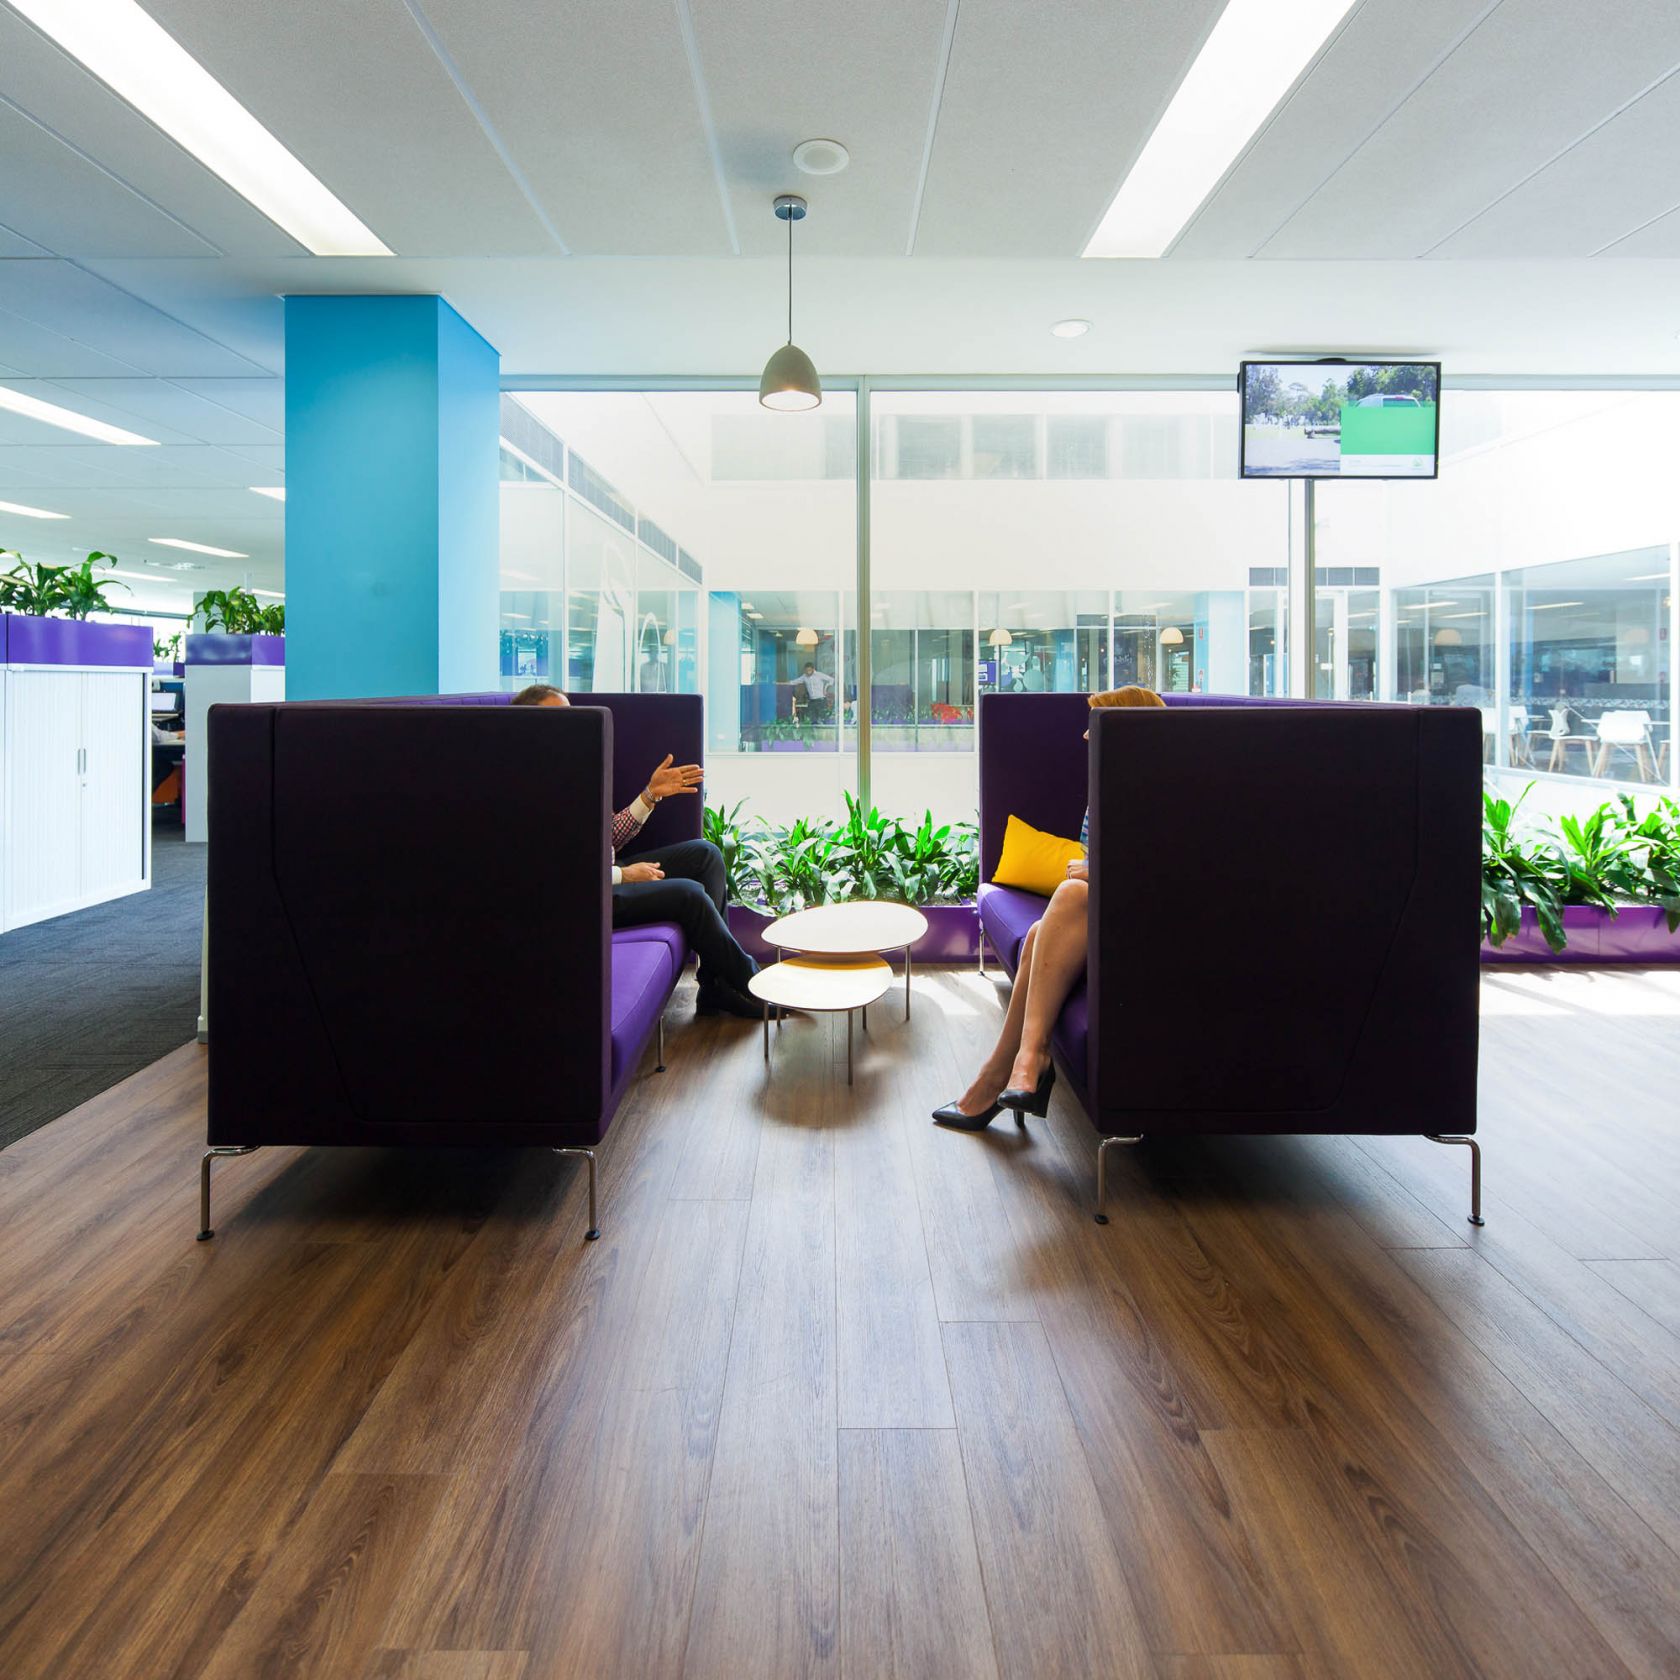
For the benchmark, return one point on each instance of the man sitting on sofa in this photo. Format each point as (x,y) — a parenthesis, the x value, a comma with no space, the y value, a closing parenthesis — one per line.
(682,883)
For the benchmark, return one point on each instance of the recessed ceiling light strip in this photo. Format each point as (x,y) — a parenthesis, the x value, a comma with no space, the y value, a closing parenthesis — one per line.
(1249,61)
(67,419)
(141,61)
(198,548)
(30,512)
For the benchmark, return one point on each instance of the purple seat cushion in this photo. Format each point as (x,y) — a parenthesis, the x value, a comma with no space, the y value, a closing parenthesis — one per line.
(1006,913)
(643,974)
(656,933)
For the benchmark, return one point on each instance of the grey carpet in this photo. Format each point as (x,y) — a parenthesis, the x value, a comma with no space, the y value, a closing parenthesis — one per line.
(89,998)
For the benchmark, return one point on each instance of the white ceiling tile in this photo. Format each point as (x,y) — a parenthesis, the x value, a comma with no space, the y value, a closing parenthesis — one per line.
(358,95)
(78,305)
(1386,48)
(31,350)
(22,451)
(56,91)
(13,244)
(160,408)
(597,105)
(65,201)
(260,400)
(1044,113)
(1534,78)
(1620,177)
(1659,238)
(870,87)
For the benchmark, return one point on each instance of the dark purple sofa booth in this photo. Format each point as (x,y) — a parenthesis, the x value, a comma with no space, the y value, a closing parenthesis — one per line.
(1284,911)
(409,915)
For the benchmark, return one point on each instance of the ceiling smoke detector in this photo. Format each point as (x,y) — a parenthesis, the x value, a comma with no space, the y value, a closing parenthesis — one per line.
(821,157)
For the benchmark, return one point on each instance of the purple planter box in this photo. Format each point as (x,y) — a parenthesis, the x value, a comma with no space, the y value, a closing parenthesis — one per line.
(1638,933)
(216,647)
(952,936)
(73,641)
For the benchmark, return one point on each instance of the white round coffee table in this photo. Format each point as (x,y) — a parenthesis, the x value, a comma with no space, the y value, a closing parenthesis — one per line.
(867,926)
(821,985)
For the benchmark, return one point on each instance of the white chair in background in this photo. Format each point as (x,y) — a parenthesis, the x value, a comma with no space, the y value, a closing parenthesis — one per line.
(1625,732)
(1562,741)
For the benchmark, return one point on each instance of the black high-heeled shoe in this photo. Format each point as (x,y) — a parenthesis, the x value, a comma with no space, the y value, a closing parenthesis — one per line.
(952,1116)
(1035,1102)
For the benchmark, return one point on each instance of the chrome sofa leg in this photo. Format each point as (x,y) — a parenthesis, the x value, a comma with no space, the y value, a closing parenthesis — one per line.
(593,1234)
(1103,1148)
(1475,1172)
(660,1066)
(980,950)
(204,1231)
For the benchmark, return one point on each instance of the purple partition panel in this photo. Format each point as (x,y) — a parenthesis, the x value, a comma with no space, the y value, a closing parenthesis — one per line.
(216,647)
(74,641)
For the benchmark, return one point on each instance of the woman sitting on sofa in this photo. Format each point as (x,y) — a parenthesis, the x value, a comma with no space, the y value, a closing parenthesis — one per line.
(1019,1074)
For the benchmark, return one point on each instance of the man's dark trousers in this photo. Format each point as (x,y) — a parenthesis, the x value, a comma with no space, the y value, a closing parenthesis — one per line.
(691,895)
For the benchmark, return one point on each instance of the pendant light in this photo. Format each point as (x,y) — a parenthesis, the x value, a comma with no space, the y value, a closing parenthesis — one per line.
(790,378)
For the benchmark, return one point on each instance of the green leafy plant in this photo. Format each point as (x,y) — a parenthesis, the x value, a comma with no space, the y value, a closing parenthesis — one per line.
(36,590)
(1655,838)
(238,612)
(793,867)
(722,826)
(169,648)
(32,590)
(81,594)
(1519,872)
(1601,861)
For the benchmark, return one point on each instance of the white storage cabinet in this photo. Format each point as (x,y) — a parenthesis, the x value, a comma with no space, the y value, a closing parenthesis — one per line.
(75,789)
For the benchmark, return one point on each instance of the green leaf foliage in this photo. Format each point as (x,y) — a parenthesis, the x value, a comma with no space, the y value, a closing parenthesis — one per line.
(238,612)
(38,590)
(787,867)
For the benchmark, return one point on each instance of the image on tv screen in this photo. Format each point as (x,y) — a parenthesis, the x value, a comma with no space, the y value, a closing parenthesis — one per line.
(1340,419)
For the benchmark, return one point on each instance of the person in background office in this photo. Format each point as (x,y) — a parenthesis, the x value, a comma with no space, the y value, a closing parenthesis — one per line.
(818,687)
(681,883)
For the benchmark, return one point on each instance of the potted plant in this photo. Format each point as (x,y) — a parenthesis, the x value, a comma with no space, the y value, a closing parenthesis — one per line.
(772,871)
(1604,887)
(34,590)
(52,606)
(237,629)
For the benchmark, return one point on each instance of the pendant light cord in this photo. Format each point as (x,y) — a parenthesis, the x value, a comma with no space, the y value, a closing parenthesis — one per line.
(790,275)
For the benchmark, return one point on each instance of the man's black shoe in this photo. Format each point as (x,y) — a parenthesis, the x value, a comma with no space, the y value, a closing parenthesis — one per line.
(720,999)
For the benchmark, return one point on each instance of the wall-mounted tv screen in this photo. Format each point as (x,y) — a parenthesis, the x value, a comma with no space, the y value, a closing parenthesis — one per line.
(1341,419)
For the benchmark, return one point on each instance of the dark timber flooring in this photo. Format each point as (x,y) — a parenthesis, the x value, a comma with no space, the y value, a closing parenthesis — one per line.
(839,1394)
(89,998)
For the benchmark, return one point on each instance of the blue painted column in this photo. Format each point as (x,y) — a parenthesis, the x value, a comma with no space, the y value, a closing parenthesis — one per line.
(392,571)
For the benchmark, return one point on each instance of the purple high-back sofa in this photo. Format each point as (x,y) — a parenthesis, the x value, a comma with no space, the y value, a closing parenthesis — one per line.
(409,916)
(1284,910)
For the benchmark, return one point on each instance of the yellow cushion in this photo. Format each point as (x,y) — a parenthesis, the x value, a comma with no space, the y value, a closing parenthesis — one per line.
(1033,859)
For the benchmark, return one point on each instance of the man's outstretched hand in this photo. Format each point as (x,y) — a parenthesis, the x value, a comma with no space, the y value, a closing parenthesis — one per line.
(673,778)
(634,874)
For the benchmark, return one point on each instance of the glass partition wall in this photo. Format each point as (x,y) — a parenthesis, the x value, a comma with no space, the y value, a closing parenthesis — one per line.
(1535,580)
(1019,540)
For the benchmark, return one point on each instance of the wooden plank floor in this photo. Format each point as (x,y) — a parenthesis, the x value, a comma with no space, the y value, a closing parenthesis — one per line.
(840,1394)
